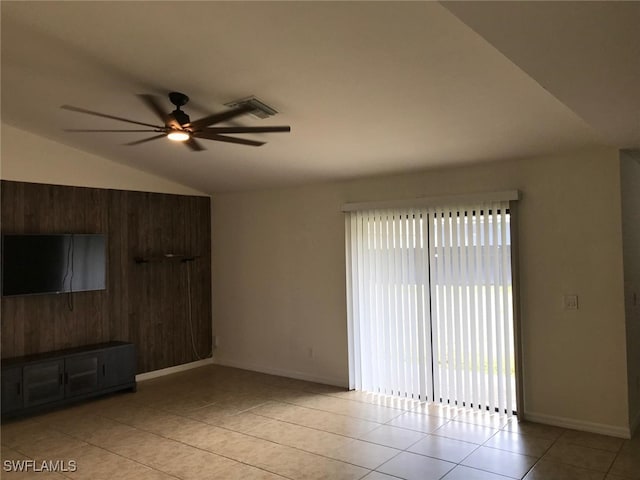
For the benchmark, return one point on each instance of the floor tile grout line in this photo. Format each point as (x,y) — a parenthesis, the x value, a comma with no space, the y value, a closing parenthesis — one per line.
(543,455)
(405,450)
(270,418)
(456,464)
(247,434)
(106,450)
(477,447)
(454,438)
(332,395)
(470,453)
(289,446)
(412,429)
(426,434)
(336,413)
(569,442)
(257,414)
(403,410)
(362,418)
(613,462)
(510,451)
(491,472)
(329,395)
(313,428)
(327,411)
(166,438)
(557,440)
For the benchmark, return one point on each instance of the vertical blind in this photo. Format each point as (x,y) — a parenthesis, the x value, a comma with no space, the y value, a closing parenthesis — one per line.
(388,302)
(429,298)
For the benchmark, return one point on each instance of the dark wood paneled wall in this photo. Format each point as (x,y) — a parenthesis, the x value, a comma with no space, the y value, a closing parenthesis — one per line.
(147,304)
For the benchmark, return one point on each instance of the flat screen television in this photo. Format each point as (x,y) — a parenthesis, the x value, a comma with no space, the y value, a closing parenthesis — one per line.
(39,264)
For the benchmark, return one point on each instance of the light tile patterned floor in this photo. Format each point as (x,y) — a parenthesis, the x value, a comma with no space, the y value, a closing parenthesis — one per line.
(223,423)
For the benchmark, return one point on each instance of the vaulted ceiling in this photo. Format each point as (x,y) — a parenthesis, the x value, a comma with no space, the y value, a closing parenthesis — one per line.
(368,88)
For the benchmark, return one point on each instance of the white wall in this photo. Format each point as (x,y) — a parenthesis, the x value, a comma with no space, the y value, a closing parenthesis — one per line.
(630,193)
(279,279)
(26,157)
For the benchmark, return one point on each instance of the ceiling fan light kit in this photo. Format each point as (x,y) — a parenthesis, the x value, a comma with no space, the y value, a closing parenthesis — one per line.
(178,136)
(177,125)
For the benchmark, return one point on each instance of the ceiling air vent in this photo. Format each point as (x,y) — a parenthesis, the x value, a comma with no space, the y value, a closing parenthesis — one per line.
(260,109)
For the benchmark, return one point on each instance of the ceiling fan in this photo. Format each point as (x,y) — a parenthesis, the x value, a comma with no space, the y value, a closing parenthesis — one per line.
(178,127)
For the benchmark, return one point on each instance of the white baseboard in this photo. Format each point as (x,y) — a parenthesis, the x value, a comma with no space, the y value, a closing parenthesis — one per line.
(168,371)
(603,429)
(282,373)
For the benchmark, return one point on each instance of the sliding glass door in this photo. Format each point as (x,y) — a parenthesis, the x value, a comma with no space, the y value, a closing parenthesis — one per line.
(430,304)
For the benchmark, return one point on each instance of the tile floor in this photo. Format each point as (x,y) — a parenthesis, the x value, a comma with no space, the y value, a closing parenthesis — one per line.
(223,423)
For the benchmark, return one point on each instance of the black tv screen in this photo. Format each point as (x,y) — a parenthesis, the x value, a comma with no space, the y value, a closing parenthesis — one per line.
(38,264)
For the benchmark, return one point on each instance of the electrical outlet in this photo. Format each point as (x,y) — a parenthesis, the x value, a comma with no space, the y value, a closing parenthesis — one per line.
(216,341)
(571,302)
(310,352)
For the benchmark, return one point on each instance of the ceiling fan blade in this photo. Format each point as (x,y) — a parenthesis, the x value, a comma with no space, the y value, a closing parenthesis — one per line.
(138,142)
(223,138)
(218,117)
(87,130)
(194,145)
(98,114)
(152,102)
(246,129)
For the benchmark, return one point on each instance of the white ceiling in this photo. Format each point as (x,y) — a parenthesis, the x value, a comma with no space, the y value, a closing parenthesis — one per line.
(368,88)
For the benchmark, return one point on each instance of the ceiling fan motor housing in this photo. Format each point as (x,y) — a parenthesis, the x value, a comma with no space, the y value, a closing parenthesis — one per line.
(179,100)
(180,116)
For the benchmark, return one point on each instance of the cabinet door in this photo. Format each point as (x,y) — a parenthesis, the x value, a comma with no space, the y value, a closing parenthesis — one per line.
(118,366)
(12,397)
(81,374)
(43,382)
